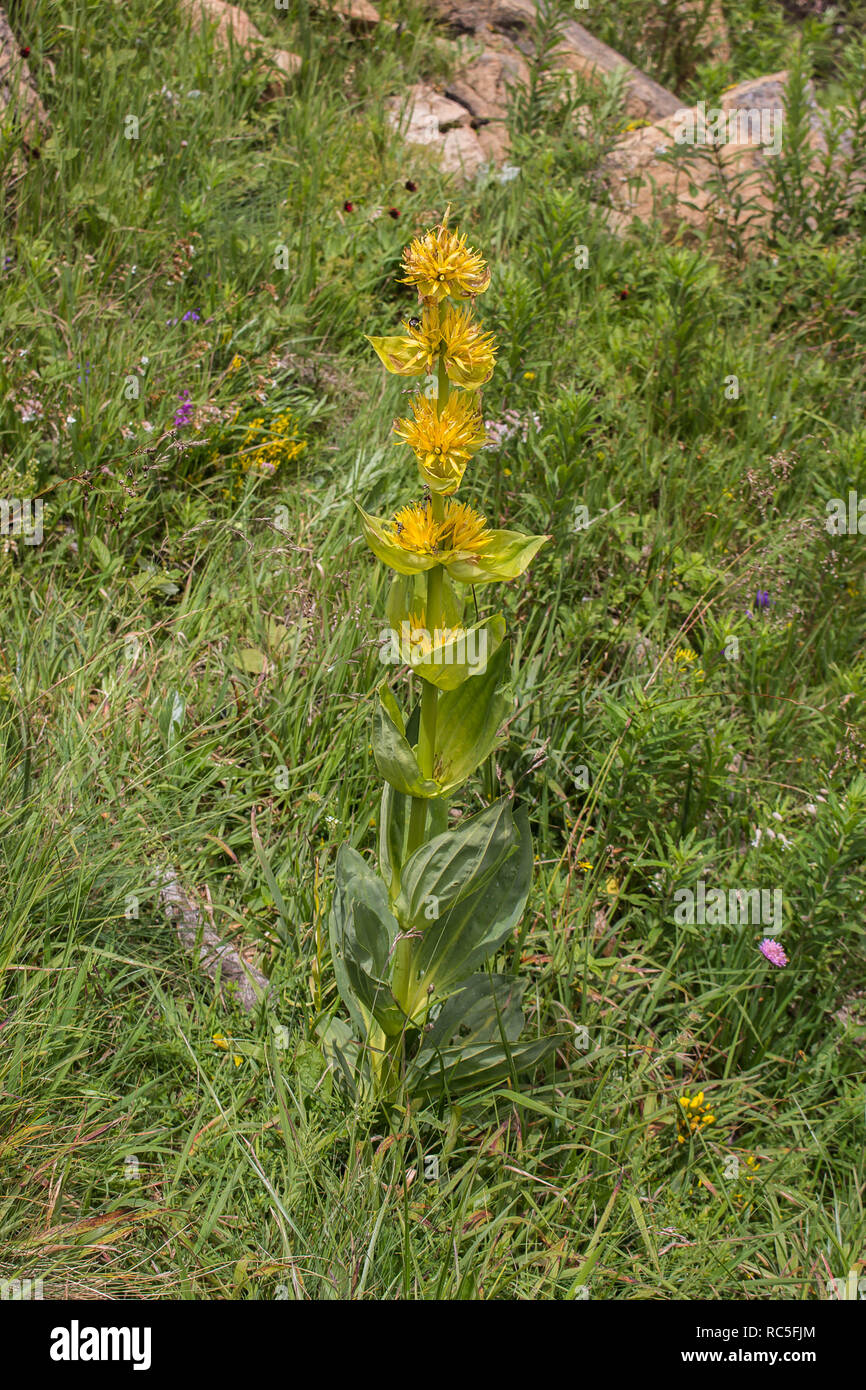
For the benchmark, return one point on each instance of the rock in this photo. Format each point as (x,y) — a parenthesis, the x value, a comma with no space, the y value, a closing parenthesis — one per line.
(481,89)
(512,22)
(360,14)
(234,25)
(494,141)
(581,53)
(423,115)
(643,185)
(463,153)
(18,90)
(218,959)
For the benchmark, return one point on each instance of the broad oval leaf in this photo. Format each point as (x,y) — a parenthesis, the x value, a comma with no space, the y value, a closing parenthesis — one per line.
(362,931)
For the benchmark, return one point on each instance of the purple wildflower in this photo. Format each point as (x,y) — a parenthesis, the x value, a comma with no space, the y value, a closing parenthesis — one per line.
(762,599)
(183,414)
(773,952)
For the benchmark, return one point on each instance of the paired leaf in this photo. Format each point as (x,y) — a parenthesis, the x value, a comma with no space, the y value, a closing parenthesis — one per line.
(452,1070)
(394,816)
(468,722)
(505,555)
(362,932)
(400,355)
(465,892)
(483,1005)
(393,753)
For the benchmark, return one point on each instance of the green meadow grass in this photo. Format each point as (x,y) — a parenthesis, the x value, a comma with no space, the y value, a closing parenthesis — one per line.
(186,663)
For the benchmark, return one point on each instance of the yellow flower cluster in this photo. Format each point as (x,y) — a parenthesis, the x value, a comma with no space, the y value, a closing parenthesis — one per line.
(445,428)
(440,265)
(443,440)
(266,446)
(415,529)
(694,1115)
(684,660)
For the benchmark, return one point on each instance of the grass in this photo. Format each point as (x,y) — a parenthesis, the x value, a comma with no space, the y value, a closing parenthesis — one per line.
(186,663)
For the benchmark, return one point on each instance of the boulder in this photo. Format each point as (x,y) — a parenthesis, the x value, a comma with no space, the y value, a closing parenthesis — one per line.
(424,115)
(512,22)
(643,184)
(234,25)
(18,90)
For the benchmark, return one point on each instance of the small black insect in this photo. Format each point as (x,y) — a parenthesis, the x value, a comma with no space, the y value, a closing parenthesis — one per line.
(414,323)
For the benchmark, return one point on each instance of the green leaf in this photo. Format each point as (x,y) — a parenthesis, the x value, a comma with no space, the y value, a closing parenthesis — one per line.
(469,720)
(101,552)
(407,598)
(453,1070)
(251,660)
(477,1009)
(394,756)
(400,355)
(362,932)
(465,891)
(343,1054)
(394,814)
(453,656)
(506,555)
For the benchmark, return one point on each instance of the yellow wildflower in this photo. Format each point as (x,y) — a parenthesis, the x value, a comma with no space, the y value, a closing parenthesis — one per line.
(441,264)
(693,1116)
(462,530)
(443,442)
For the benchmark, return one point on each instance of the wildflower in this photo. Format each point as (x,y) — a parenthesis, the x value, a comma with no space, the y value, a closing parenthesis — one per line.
(467,351)
(762,599)
(183,414)
(511,424)
(773,952)
(223,1044)
(265,447)
(529,376)
(191,317)
(394,212)
(462,542)
(348,207)
(441,264)
(693,1116)
(443,442)
(410,186)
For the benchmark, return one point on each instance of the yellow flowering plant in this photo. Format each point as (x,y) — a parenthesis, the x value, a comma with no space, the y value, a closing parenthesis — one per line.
(410,944)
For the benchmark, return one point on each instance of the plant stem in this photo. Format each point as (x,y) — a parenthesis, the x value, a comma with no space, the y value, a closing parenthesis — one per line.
(401,980)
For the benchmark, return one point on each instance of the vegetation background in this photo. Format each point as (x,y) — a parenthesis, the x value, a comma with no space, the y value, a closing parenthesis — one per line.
(186,661)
